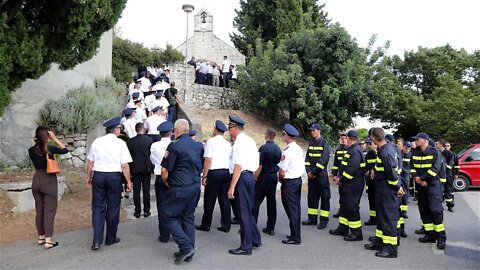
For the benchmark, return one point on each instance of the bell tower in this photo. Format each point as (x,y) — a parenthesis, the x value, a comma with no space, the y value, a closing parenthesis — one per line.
(203,21)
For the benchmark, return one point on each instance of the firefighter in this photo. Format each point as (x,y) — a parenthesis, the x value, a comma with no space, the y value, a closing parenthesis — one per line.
(449,164)
(351,180)
(425,164)
(337,159)
(316,161)
(370,159)
(387,190)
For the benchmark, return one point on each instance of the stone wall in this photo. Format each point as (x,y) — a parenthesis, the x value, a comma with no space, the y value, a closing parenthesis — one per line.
(77,149)
(18,123)
(210,97)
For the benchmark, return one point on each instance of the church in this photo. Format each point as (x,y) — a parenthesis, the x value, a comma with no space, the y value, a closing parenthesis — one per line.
(204,45)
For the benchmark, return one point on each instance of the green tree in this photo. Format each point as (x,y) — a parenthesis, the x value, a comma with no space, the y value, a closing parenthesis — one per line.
(272,20)
(43,32)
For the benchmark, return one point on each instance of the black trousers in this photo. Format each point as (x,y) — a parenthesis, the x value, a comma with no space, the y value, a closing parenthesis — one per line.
(349,216)
(291,195)
(244,193)
(431,210)
(141,182)
(318,189)
(388,214)
(371,198)
(161,194)
(406,186)
(218,183)
(448,191)
(266,186)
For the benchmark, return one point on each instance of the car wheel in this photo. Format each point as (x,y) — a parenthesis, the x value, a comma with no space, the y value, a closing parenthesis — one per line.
(461,183)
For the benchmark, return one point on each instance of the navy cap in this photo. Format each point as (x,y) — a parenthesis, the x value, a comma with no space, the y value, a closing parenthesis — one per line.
(135,95)
(291,130)
(166,126)
(236,120)
(156,109)
(135,77)
(352,134)
(389,137)
(220,126)
(113,122)
(159,94)
(431,143)
(192,133)
(316,126)
(422,135)
(128,111)
(408,144)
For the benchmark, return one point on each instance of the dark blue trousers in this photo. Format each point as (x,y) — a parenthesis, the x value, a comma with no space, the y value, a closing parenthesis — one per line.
(178,214)
(161,193)
(106,197)
(266,186)
(218,183)
(291,194)
(244,194)
(171,113)
(155,138)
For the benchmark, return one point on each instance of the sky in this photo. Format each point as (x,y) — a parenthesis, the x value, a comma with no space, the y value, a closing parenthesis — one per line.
(407,24)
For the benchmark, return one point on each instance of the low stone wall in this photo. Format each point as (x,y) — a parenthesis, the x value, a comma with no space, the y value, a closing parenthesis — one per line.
(21,193)
(210,97)
(77,149)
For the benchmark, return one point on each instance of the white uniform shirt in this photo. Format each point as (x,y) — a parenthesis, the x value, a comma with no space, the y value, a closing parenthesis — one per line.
(234,73)
(162,102)
(152,123)
(293,161)
(245,153)
(145,84)
(141,116)
(209,69)
(148,101)
(157,151)
(108,153)
(218,149)
(129,125)
(226,66)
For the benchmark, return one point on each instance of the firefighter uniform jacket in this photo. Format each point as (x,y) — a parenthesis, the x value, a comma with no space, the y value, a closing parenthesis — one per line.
(317,157)
(339,153)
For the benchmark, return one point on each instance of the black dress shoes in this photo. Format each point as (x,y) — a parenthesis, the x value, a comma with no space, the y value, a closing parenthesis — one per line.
(383,254)
(200,228)
(450,209)
(420,231)
(373,246)
(95,246)
(426,239)
(223,229)
(309,222)
(234,221)
(163,240)
(372,238)
(352,238)
(182,256)
(117,240)
(403,233)
(336,215)
(290,242)
(337,232)
(137,215)
(269,232)
(239,251)
(370,222)
(147,214)
(441,244)
(322,225)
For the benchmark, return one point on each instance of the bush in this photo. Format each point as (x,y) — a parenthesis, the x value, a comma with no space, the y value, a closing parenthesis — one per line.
(84,107)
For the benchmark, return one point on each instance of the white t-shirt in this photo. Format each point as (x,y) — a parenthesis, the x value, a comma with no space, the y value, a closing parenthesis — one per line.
(245,153)
(145,84)
(226,66)
(152,123)
(218,149)
(108,153)
(293,161)
(129,125)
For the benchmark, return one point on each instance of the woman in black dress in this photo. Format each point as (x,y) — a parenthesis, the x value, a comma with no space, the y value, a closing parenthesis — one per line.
(44,186)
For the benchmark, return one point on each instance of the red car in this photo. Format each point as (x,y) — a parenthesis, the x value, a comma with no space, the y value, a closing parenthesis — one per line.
(469,161)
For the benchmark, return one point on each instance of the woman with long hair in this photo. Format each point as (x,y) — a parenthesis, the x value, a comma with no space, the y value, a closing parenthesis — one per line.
(44,186)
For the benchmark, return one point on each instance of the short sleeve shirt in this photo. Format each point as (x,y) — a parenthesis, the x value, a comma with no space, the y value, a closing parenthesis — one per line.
(109,153)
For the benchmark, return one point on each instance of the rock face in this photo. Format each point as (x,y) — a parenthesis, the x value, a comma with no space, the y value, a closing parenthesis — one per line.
(18,123)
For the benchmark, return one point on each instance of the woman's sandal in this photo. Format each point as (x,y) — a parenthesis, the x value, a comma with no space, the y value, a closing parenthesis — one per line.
(41,241)
(48,245)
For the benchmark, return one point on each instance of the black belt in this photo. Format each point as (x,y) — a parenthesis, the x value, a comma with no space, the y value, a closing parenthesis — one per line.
(218,169)
(246,171)
(289,179)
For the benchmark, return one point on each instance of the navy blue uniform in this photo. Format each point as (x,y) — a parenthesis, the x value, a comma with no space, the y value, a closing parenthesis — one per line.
(427,165)
(370,159)
(184,167)
(405,177)
(352,181)
(316,161)
(387,184)
(448,184)
(266,184)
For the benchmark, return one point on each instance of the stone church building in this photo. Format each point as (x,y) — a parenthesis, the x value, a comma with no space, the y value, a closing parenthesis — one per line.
(204,45)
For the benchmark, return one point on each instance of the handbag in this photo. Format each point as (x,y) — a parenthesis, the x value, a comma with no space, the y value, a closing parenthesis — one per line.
(52,165)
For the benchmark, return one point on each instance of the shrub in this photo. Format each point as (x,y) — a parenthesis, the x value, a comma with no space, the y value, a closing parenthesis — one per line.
(83,108)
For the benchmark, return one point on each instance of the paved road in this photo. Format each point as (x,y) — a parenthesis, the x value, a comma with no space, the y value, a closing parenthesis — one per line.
(139,248)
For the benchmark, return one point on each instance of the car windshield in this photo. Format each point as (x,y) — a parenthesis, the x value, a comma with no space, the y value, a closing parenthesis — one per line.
(464,150)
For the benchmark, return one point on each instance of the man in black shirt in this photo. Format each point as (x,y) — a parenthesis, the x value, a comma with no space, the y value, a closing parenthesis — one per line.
(267,179)
(171,95)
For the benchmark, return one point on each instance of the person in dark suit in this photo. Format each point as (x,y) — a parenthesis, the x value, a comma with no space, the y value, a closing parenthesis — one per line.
(180,171)
(141,169)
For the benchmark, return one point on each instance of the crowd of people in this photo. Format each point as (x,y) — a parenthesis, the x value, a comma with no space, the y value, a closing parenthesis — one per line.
(217,75)
(240,176)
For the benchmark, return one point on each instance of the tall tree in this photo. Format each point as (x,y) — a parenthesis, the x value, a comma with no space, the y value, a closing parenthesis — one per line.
(43,32)
(272,20)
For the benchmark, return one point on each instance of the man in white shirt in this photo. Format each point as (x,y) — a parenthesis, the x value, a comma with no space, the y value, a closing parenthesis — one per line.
(157,152)
(145,83)
(292,167)
(245,158)
(130,122)
(225,71)
(216,77)
(209,74)
(141,115)
(152,123)
(216,179)
(108,158)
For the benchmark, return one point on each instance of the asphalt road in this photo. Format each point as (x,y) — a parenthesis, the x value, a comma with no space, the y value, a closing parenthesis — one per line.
(139,248)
